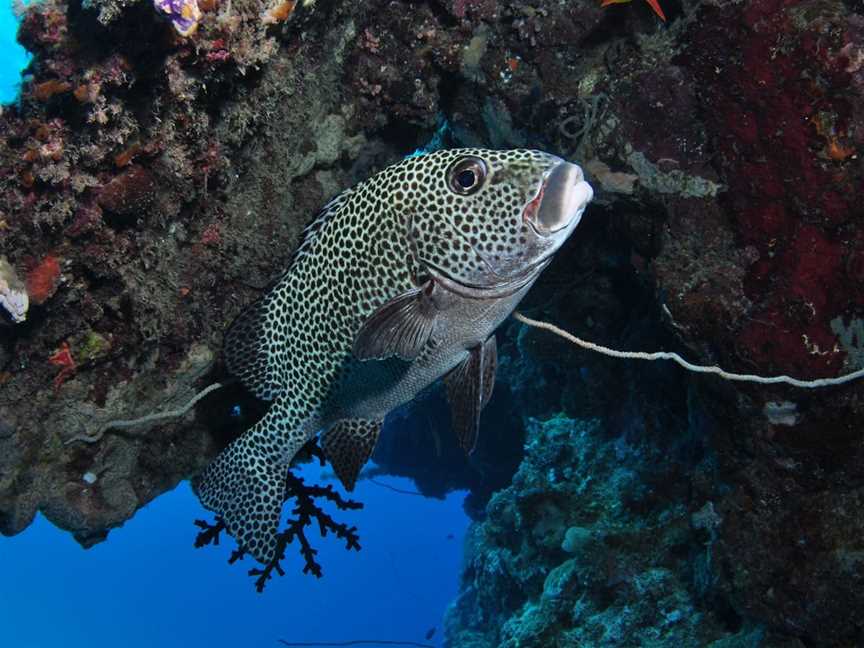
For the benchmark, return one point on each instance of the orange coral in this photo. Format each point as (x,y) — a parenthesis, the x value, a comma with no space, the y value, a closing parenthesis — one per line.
(87,92)
(47,89)
(43,279)
(838,150)
(43,133)
(279,13)
(124,158)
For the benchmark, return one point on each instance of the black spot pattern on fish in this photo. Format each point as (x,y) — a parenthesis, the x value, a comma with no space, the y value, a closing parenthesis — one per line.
(367,246)
(349,445)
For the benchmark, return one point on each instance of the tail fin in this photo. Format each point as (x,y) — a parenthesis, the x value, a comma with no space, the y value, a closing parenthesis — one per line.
(247,491)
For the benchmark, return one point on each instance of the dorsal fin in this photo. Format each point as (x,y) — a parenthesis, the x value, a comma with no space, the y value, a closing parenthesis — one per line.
(310,232)
(252,349)
(248,352)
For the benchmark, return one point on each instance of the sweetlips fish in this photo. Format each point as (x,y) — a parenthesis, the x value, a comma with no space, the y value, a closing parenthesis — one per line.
(399,281)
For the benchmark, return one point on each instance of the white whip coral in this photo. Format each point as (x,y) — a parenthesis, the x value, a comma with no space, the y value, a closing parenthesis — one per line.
(13,293)
(667,355)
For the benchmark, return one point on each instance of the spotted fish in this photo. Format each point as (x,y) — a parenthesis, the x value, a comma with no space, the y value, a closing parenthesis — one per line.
(399,281)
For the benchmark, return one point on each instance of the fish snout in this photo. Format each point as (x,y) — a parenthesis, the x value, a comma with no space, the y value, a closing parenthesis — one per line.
(563,198)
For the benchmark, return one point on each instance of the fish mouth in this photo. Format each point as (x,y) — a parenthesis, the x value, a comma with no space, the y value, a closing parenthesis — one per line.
(500,290)
(560,201)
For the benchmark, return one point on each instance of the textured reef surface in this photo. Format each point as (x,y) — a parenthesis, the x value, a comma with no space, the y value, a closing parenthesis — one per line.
(164,157)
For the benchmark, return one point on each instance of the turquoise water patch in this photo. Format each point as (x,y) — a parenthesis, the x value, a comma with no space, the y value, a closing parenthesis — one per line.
(437,141)
(13,57)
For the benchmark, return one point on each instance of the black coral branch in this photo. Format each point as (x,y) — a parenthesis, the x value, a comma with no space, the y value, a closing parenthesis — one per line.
(305,513)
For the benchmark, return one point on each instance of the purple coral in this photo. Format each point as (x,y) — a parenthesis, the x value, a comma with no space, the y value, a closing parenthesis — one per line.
(184,14)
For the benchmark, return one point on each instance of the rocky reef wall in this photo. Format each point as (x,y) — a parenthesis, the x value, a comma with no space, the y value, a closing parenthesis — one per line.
(161,164)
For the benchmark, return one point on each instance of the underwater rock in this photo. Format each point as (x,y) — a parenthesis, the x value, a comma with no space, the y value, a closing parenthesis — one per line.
(80,168)
(129,470)
(128,194)
(625,582)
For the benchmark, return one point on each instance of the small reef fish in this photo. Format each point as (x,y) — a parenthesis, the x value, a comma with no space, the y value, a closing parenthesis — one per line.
(399,281)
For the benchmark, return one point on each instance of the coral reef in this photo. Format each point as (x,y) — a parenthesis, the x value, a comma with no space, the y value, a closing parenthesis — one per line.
(584,550)
(152,183)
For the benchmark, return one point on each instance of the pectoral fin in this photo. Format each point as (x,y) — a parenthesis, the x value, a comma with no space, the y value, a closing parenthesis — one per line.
(469,388)
(348,444)
(400,327)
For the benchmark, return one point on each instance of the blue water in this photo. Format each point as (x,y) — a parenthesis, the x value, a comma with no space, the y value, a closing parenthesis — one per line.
(146,586)
(14,58)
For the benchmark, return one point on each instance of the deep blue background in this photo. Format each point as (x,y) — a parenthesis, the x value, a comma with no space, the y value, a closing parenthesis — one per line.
(146,586)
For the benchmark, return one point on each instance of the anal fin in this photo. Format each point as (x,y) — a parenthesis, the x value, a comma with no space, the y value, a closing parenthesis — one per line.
(469,388)
(348,444)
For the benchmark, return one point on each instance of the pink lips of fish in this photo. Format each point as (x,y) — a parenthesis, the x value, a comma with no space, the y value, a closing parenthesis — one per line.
(560,201)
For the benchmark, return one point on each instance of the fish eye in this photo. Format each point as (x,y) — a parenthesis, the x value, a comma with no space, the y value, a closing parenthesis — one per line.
(466,175)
